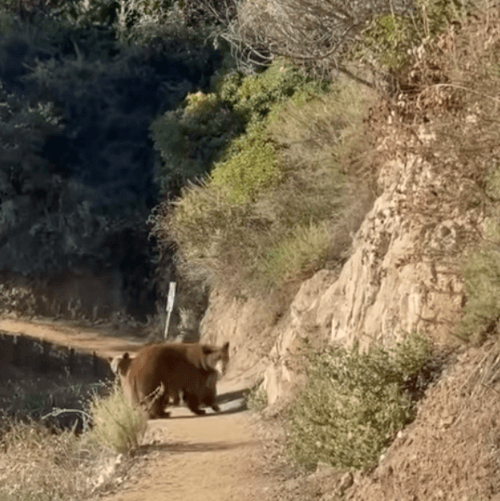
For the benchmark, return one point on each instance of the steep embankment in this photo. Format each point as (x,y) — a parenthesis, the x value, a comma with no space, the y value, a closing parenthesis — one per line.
(398,280)
(437,155)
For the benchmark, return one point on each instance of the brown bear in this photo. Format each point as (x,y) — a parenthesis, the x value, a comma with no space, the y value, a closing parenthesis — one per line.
(120,366)
(160,371)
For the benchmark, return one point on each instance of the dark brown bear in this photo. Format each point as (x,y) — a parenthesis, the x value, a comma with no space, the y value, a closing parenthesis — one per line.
(160,371)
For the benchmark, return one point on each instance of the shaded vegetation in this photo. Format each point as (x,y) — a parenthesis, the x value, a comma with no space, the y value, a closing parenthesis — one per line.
(80,84)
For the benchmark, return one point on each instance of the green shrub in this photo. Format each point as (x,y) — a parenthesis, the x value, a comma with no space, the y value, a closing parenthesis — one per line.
(136,22)
(7,22)
(256,398)
(354,404)
(250,167)
(493,186)
(84,14)
(305,250)
(191,138)
(141,21)
(262,216)
(389,39)
(117,424)
(481,277)
(252,97)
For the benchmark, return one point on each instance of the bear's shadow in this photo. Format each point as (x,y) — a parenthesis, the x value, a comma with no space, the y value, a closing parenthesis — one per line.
(230,403)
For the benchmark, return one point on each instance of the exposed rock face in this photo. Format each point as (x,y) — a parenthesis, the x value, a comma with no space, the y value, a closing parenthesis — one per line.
(252,326)
(387,289)
(401,278)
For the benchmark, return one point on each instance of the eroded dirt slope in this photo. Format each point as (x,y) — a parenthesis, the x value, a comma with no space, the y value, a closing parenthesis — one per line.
(452,450)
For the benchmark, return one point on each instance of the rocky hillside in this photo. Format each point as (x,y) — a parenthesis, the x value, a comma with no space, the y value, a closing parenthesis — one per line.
(388,287)
(409,271)
(435,152)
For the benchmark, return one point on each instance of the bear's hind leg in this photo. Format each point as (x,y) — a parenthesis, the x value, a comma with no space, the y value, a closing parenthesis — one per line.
(194,404)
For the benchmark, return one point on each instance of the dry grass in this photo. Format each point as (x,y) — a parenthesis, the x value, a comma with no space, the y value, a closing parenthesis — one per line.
(448,113)
(304,250)
(36,464)
(39,464)
(117,424)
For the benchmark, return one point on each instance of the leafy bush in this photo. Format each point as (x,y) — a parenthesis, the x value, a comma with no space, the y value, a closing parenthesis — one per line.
(70,194)
(135,22)
(41,221)
(250,167)
(482,285)
(261,218)
(252,97)
(140,21)
(84,14)
(7,22)
(390,38)
(256,398)
(26,182)
(354,404)
(189,139)
(192,138)
(481,272)
(117,424)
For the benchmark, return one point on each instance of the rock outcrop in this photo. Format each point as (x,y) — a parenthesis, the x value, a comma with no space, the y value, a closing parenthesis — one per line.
(401,277)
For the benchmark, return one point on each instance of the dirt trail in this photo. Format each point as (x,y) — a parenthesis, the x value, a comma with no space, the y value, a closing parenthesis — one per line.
(200,458)
(84,338)
(212,457)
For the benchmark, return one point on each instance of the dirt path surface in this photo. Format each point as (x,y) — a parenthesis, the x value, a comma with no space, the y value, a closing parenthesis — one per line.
(92,340)
(198,458)
(212,457)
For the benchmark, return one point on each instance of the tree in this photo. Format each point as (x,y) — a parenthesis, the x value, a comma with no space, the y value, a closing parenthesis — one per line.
(312,32)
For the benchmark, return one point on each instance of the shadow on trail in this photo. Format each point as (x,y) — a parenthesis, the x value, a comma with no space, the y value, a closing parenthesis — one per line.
(231,396)
(185,447)
(230,403)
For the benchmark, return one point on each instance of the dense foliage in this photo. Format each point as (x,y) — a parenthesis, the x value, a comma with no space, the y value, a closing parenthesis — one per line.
(354,403)
(268,211)
(77,104)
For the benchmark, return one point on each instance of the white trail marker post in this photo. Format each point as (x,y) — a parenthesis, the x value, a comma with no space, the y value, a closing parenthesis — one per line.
(170,305)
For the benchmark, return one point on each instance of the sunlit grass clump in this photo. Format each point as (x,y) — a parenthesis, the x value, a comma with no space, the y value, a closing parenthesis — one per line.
(116,423)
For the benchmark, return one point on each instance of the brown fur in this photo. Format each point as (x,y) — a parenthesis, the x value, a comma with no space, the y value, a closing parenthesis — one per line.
(120,366)
(172,367)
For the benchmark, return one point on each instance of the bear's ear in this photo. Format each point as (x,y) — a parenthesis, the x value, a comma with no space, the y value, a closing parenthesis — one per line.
(225,346)
(125,356)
